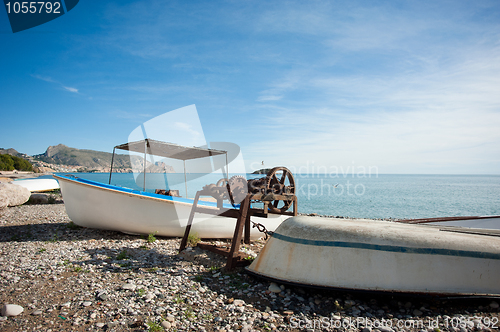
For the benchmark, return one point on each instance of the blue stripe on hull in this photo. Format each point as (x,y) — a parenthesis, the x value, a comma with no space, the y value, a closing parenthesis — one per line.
(389,248)
(142,193)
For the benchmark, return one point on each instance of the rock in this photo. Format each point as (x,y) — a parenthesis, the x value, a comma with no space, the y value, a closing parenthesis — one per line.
(273,287)
(4,199)
(166,325)
(37,312)
(128,286)
(37,198)
(86,303)
(494,305)
(13,195)
(11,310)
(99,325)
(349,303)
(417,312)
(239,303)
(246,328)
(102,296)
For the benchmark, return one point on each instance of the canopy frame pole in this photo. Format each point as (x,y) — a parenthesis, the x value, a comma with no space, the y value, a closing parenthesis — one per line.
(111,168)
(227,168)
(185,179)
(145,149)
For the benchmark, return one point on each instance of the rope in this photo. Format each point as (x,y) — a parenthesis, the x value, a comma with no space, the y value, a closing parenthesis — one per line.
(261,228)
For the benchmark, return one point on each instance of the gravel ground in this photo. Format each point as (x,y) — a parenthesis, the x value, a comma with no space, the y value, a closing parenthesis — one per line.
(68,278)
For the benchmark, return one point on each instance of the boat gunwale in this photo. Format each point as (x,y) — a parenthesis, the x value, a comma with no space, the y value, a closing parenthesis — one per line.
(136,193)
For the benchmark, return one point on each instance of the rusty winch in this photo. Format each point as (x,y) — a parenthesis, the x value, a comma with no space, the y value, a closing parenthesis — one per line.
(278,183)
(275,192)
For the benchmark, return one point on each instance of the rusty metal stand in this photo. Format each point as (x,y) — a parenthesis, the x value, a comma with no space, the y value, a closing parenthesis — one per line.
(243,214)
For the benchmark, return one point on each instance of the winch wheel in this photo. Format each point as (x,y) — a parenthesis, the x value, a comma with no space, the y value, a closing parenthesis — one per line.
(238,188)
(221,183)
(280,182)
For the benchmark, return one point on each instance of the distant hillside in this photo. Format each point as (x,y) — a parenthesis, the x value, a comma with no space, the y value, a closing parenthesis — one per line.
(11,151)
(64,155)
(9,163)
(262,171)
(95,160)
(11,160)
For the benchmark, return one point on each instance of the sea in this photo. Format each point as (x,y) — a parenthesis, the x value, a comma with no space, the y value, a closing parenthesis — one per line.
(374,196)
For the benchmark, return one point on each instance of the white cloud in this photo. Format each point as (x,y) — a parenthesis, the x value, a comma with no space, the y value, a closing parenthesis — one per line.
(187,128)
(442,117)
(44,78)
(129,115)
(413,141)
(70,89)
(50,80)
(269,98)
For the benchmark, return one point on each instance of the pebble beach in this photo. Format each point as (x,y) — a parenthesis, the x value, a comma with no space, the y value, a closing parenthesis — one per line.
(56,276)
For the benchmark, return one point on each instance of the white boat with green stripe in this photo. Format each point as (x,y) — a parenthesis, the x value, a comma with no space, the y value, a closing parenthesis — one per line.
(381,256)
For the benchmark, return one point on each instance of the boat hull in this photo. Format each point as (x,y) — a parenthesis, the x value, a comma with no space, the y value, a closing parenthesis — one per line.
(380,256)
(96,205)
(38,185)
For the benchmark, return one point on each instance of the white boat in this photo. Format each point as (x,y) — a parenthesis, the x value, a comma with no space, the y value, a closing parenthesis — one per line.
(462,223)
(105,206)
(38,185)
(381,256)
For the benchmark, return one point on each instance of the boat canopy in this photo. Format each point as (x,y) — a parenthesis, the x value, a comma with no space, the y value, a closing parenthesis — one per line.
(168,150)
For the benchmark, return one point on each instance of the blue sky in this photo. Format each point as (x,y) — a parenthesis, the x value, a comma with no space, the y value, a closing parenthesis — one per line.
(394,86)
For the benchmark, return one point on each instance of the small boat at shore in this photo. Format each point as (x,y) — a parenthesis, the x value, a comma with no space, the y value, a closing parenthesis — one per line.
(381,256)
(469,224)
(105,206)
(38,185)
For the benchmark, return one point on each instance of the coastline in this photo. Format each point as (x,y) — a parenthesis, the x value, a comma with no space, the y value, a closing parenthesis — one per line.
(69,278)
(7,176)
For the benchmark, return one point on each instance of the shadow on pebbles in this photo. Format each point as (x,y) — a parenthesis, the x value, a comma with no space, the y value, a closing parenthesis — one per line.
(56,276)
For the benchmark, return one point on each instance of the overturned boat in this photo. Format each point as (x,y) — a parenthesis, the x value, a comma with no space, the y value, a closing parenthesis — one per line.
(38,185)
(381,256)
(105,206)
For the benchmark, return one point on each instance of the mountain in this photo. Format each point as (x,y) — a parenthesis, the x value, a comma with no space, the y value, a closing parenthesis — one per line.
(12,152)
(64,155)
(262,171)
(90,160)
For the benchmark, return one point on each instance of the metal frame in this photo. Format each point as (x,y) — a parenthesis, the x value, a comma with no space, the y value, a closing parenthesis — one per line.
(242,215)
(167,150)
